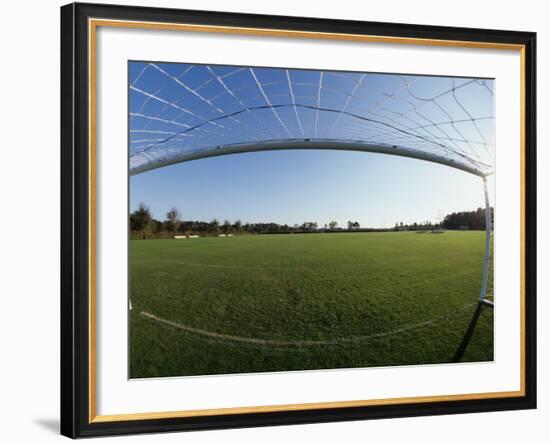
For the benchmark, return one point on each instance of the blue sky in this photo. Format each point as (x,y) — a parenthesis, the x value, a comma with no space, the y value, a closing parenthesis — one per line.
(295,186)
(177,108)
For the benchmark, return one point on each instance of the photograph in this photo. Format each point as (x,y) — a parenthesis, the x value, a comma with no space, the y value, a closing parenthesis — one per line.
(278,220)
(274,221)
(285,219)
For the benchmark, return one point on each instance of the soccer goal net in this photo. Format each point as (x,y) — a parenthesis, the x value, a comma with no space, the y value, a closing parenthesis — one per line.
(180,112)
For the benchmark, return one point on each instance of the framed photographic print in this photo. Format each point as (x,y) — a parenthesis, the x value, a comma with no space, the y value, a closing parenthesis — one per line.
(279,220)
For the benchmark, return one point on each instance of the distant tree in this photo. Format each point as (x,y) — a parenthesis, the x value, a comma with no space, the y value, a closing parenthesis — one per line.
(214,225)
(332,225)
(157,226)
(473,220)
(226,227)
(356,225)
(309,226)
(142,221)
(141,217)
(173,219)
(237,225)
(350,225)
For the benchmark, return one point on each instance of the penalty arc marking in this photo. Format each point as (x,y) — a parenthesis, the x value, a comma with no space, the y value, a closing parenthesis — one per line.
(304,343)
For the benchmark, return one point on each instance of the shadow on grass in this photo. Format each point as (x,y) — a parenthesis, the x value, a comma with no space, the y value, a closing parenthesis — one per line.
(469,332)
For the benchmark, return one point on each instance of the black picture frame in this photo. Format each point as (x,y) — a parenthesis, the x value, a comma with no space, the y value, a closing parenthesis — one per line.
(75,221)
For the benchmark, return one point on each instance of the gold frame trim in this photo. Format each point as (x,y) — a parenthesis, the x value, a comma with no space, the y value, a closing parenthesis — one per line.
(93,24)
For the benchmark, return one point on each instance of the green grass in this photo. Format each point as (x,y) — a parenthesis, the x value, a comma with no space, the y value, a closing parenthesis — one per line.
(256,303)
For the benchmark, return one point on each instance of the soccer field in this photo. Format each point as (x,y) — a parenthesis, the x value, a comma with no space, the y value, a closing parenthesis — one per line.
(257,303)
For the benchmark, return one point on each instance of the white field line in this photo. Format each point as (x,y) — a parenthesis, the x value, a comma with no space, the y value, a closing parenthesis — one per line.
(297,343)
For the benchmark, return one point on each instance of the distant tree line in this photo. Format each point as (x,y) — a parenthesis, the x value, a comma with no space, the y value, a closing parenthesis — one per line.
(424,225)
(143,225)
(472,220)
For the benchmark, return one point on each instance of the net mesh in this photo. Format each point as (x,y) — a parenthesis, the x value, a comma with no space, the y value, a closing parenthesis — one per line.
(179,109)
